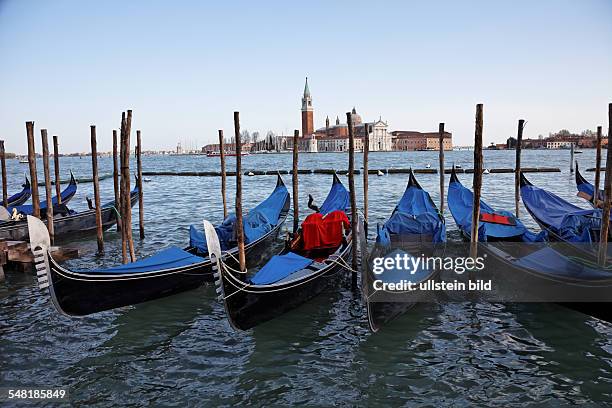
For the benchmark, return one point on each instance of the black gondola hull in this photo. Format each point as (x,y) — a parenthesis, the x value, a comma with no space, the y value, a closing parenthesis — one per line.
(81,294)
(523,284)
(249,305)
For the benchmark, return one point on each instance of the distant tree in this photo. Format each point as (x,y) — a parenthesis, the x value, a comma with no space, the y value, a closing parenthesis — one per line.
(255,137)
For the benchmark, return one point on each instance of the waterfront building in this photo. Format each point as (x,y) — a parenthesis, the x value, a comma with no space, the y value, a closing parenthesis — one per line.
(403,140)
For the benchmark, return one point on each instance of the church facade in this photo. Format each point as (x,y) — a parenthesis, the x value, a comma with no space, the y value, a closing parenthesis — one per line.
(334,138)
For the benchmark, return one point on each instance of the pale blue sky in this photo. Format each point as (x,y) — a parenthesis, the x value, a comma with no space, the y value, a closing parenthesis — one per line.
(184,67)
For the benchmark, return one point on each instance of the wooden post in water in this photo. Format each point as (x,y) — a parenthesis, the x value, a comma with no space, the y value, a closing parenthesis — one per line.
(139,185)
(239,227)
(294,179)
(116,181)
(128,198)
(48,190)
(605,217)
(572,158)
(517,167)
(477,182)
(122,191)
(96,185)
(3,165)
(441,159)
(223,181)
(351,177)
(56,169)
(597,166)
(366,152)
(33,174)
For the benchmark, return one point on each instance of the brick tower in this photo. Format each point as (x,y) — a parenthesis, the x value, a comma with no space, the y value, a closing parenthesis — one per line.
(307,112)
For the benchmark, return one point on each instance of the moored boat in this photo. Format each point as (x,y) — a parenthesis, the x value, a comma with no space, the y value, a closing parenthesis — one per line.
(310,262)
(66,195)
(527,268)
(415,229)
(66,222)
(169,271)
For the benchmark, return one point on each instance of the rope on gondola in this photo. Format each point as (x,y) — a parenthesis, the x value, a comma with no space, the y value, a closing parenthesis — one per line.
(243,288)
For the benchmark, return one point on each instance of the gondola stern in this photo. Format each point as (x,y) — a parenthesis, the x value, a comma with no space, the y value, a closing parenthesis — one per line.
(579,178)
(453,177)
(336,179)
(27,184)
(72,179)
(279,180)
(524,182)
(412,181)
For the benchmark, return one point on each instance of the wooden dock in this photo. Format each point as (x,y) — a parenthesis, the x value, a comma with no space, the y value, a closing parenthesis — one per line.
(332,171)
(16,255)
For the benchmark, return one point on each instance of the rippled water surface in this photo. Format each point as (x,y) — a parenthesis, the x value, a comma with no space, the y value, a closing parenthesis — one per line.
(180,351)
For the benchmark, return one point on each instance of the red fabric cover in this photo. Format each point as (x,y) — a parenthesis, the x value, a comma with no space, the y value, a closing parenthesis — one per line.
(320,232)
(497,219)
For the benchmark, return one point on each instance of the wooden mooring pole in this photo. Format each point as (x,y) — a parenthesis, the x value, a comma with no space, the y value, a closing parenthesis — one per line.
(517,168)
(477,184)
(239,227)
(223,180)
(294,181)
(441,160)
(116,181)
(48,189)
(122,195)
(3,165)
(351,177)
(597,167)
(33,174)
(605,217)
(96,185)
(572,158)
(366,151)
(141,222)
(56,169)
(128,197)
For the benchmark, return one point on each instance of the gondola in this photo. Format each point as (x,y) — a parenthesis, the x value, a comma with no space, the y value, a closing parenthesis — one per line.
(525,266)
(494,225)
(586,189)
(66,195)
(66,222)
(415,228)
(22,196)
(576,227)
(316,255)
(171,270)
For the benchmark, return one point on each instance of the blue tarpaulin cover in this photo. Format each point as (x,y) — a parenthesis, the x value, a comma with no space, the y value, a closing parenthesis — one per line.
(257,223)
(415,214)
(460,203)
(337,199)
(279,267)
(168,258)
(550,262)
(570,222)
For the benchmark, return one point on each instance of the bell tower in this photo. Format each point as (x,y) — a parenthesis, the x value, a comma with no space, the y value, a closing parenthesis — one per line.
(307,112)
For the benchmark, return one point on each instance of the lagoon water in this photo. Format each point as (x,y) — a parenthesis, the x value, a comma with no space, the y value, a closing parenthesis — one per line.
(180,351)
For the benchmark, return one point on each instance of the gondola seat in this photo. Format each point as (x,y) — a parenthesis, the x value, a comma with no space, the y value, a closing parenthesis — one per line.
(280,267)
